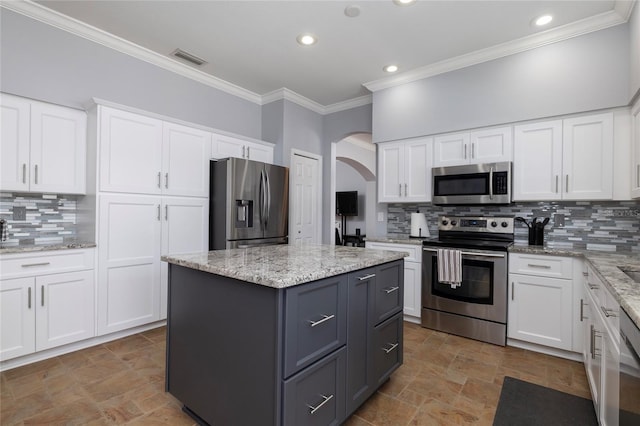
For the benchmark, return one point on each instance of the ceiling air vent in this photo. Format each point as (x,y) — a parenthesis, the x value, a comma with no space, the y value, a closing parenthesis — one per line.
(188,57)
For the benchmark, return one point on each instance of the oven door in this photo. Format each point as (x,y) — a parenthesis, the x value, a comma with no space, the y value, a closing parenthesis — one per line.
(483,293)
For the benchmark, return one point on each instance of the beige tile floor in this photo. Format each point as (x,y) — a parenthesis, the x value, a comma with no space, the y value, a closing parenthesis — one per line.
(445,380)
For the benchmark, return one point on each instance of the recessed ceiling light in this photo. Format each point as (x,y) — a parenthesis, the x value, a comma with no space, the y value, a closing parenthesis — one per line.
(306,39)
(404,2)
(352,11)
(390,68)
(544,20)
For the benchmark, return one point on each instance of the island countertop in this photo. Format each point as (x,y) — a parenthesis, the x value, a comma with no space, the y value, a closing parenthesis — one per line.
(281,266)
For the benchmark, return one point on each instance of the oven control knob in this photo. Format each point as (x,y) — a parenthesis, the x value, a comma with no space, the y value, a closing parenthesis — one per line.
(453,223)
(445,222)
(494,224)
(504,224)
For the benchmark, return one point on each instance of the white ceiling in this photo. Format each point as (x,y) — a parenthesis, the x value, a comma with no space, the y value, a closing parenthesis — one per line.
(252,44)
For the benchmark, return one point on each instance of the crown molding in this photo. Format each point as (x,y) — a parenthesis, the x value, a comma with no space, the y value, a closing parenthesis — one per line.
(575,29)
(291,96)
(348,104)
(91,33)
(624,8)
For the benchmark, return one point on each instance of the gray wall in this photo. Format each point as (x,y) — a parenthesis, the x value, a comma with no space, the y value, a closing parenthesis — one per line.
(336,127)
(634,35)
(273,127)
(41,62)
(302,130)
(580,74)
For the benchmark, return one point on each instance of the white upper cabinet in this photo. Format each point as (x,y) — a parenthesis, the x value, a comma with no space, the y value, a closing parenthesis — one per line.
(481,146)
(185,161)
(635,163)
(587,157)
(228,146)
(144,155)
(569,159)
(130,152)
(43,147)
(537,161)
(404,171)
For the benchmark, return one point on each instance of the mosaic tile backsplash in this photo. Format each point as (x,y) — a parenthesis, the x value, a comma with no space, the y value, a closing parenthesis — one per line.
(50,219)
(603,226)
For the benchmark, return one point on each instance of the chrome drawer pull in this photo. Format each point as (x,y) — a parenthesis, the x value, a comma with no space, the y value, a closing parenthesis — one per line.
(29,303)
(593,286)
(325,399)
(28,265)
(582,309)
(608,312)
(393,346)
(533,265)
(366,277)
(585,274)
(390,289)
(324,318)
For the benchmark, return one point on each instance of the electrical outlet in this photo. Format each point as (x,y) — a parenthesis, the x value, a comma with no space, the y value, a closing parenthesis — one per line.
(19,213)
(380,217)
(558,220)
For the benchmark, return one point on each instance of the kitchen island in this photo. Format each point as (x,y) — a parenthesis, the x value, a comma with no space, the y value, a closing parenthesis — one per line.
(282,335)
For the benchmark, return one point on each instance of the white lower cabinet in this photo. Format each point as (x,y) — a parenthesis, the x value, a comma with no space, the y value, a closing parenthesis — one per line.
(45,309)
(412,276)
(134,231)
(541,300)
(601,353)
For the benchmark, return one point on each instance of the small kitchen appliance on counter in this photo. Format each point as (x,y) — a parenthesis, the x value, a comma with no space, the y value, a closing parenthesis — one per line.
(419,227)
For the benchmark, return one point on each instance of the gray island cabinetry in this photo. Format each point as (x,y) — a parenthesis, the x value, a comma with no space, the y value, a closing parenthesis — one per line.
(282,335)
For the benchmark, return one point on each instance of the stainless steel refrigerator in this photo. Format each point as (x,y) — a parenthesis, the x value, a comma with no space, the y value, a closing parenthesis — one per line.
(248,204)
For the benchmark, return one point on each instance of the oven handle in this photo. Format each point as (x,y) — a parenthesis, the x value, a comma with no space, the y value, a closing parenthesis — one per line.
(469,253)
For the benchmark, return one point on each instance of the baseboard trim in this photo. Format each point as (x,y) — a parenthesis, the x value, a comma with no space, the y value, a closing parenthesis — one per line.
(561,353)
(76,346)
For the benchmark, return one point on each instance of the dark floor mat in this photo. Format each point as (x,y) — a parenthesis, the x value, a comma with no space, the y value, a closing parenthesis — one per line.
(526,404)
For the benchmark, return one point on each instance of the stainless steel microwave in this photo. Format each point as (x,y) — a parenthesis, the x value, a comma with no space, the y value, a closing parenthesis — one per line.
(488,183)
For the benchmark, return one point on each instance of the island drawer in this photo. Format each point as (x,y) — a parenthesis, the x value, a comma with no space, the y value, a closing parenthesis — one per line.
(315,396)
(315,321)
(388,291)
(387,351)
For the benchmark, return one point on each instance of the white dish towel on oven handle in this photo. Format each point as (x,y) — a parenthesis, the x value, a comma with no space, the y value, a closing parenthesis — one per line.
(450,267)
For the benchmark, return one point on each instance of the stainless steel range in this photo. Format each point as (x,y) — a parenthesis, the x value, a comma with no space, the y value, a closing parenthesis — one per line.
(464,277)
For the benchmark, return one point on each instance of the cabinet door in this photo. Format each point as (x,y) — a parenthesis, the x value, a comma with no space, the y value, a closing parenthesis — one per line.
(417,170)
(259,152)
(185,224)
(65,308)
(129,261)
(58,149)
(537,161)
(491,145)
(387,348)
(227,146)
(388,295)
(587,157)
(130,152)
(540,310)
(14,143)
(609,411)
(17,318)
(635,172)
(186,154)
(360,379)
(412,289)
(315,322)
(315,396)
(592,351)
(391,174)
(451,150)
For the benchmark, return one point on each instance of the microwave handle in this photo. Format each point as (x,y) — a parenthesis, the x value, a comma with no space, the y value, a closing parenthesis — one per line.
(491,183)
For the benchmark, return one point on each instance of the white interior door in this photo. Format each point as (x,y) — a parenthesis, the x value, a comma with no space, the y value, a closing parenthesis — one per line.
(305,204)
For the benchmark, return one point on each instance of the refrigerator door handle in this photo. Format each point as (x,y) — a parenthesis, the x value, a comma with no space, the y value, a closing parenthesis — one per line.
(268,206)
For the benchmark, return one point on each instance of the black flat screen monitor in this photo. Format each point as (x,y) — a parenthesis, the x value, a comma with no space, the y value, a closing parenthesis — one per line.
(347,203)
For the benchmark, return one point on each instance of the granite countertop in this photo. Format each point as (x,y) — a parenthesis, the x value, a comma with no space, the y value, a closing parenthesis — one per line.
(398,239)
(282,266)
(44,247)
(608,268)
